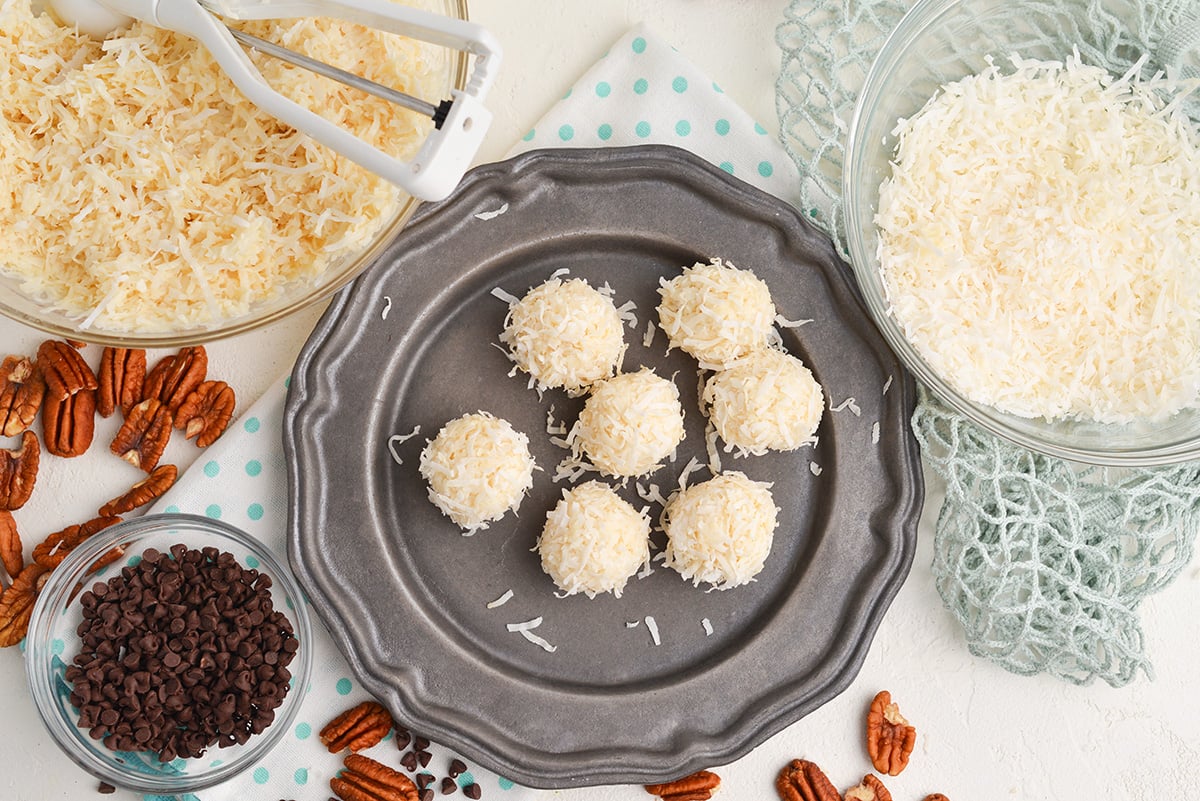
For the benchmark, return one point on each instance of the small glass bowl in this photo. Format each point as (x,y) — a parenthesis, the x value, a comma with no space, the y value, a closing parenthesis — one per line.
(52,643)
(940,41)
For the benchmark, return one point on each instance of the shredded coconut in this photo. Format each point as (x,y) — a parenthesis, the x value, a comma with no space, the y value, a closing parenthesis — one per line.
(400,439)
(491,215)
(707,625)
(652,625)
(502,600)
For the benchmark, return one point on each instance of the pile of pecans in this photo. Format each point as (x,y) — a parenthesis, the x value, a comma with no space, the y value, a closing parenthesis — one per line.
(366,779)
(180,652)
(60,386)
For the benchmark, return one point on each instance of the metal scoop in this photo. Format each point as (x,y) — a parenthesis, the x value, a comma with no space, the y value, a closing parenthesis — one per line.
(459,122)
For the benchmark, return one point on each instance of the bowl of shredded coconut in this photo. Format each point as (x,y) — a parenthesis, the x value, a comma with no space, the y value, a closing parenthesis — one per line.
(1022,202)
(147,202)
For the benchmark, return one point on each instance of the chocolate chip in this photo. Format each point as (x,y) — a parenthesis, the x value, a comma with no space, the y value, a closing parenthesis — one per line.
(472,791)
(403,738)
(421,744)
(409,761)
(423,757)
(448,786)
(106,789)
(426,794)
(423,780)
(457,768)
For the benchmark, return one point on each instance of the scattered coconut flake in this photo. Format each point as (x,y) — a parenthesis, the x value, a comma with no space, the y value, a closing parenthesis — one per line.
(555,427)
(387,306)
(653,626)
(691,467)
(848,403)
(497,292)
(784,322)
(887,384)
(626,310)
(648,338)
(815,468)
(875,433)
(525,625)
(502,600)
(647,569)
(538,641)
(632,624)
(491,215)
(650,493)
(708,629)
(560,272)
(400,439)
(710,445)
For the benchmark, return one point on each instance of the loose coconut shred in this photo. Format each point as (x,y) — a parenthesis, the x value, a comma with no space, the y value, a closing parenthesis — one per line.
(143,191)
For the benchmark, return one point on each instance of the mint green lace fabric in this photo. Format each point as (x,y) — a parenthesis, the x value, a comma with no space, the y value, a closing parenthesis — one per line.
(1043,562)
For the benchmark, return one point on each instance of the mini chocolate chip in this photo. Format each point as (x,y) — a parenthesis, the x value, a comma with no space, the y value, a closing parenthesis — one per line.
(106,789)
(409,761)
(448,786)
(423,757)
(403,738)
(423,780)
(457,768)
(426,794)
(472,791)
(421,743)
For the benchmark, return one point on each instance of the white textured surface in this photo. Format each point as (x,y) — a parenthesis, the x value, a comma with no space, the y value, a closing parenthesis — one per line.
(982,733)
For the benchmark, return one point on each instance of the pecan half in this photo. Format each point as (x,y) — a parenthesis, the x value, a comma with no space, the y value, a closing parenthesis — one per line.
(936,797)
(801,780)
(21,391)
(16,604)
(18,472)
(358,728)
(11,555)
(698,786)
(206,412)
(69,423)
(890,738)
(364,779)
(176,377)
(143,436)
(52,550)
(64,369)
(150,488)
(121,375)
(871,789)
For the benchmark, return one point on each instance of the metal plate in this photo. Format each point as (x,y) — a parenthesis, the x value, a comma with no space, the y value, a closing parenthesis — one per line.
(413,342)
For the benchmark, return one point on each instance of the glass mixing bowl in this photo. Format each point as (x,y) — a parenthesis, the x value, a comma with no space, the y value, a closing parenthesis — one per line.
(451,72)
(940,41)
(52,643)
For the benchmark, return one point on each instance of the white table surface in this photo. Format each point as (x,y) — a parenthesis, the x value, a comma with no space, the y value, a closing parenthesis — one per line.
(983,733)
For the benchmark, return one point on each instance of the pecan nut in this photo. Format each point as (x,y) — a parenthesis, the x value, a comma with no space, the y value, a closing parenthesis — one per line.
(176,377)
(206,412)
(52,550)
(10,545)
(143,436)
(697,786)
(21,391)
(64,369)
(871,789)
(121,376)
(18,472)
(936,797)
(364,779)
(801,780)
(69,423)
(150,488)
(16,604)
(358,728)
(890,738)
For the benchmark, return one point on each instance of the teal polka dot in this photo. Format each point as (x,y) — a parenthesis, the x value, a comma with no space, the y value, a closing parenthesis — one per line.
(253,467)
(529,136)
(758,129)
(465,778)
(255,512)
(814,213)
(566,133)
(641,86)
(57,647)
(679,84)
(301,775)
(727,167)
(213,511)
(252,425)
(604,132)
(211,469)
(287,382)
(134,561)
(642,129)
(173,509)
(568,94)
(303,731)
(344,686)
(603,89)
(505,784)
(765,169)
(639,45)
(261,776)
(717,88)
(216,763)
(683,127)
(252,562)
(722,127)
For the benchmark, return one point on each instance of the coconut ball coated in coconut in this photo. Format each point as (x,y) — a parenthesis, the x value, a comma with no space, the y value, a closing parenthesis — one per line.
(716,312)
(629,424)
(766,401)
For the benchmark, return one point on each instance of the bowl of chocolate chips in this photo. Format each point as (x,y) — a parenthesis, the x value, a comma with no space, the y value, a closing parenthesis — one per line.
(168,653)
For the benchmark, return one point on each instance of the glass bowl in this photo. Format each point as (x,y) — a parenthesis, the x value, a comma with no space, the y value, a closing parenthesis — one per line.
(52,643)
(940,41)
(450,71)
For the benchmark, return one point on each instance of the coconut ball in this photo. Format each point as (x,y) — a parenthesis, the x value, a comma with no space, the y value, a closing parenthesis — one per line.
(716,312)
(766,401)
(629,424)
(719,531)
(478,467)
(564,334)
(593,541)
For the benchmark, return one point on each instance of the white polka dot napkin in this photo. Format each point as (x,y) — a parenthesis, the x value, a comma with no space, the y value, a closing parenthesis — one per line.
(644,92)
(641,92)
